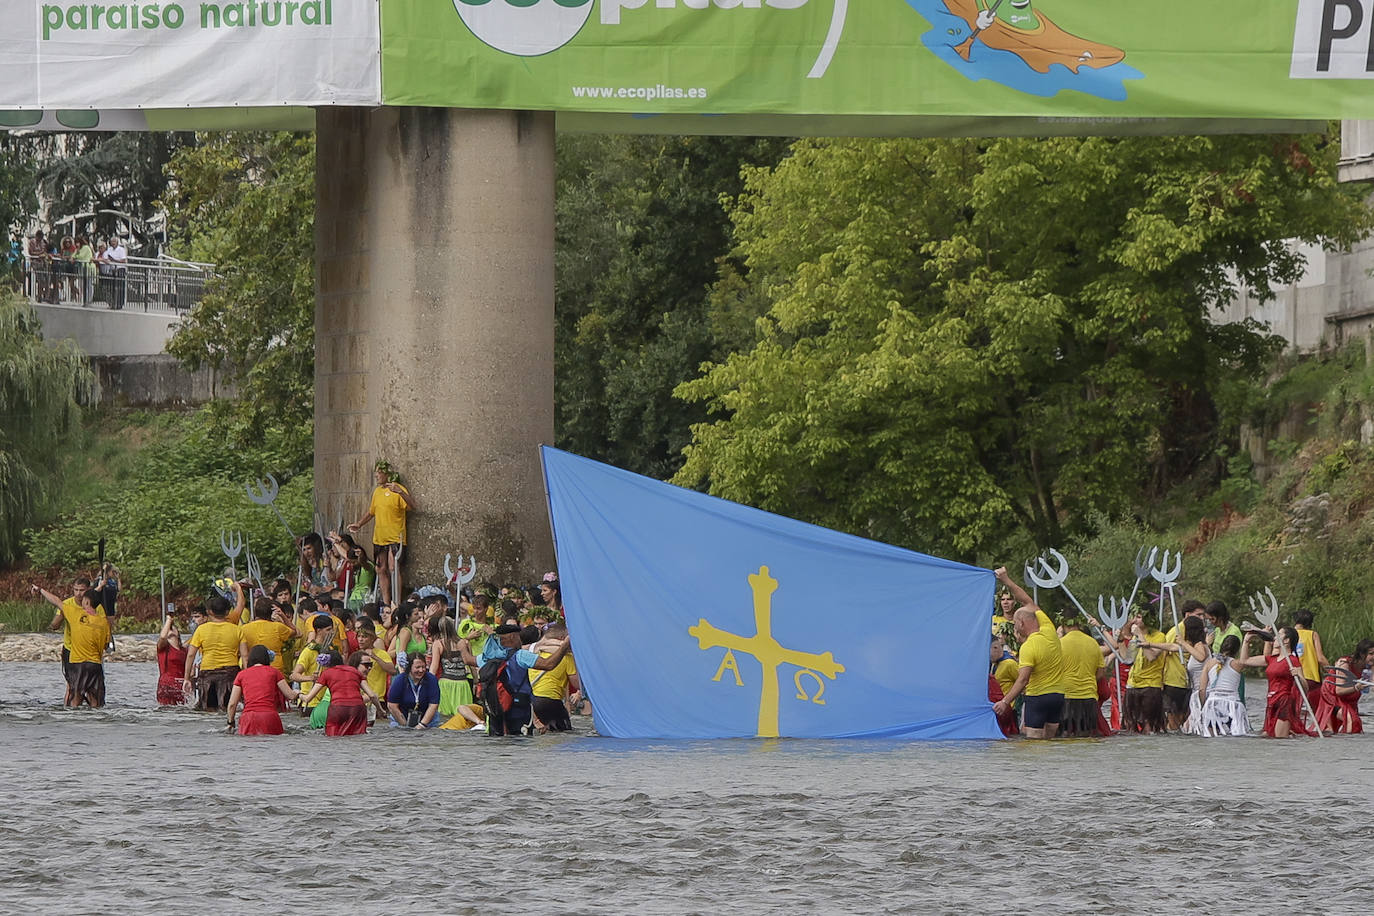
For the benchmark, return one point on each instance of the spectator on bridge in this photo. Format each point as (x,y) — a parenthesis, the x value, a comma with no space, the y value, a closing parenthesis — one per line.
(117,256)
(40,271)
(84,262)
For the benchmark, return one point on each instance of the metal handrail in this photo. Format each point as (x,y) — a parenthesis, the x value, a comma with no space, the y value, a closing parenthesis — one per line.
(165,285)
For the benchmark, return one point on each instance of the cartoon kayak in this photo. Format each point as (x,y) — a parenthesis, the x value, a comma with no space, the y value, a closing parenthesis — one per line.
(1030,35)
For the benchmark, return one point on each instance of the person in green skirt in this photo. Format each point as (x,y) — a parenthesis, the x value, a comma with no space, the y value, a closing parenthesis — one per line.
(452,662)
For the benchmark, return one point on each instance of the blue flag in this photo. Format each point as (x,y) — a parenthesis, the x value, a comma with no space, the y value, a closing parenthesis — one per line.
(694,617)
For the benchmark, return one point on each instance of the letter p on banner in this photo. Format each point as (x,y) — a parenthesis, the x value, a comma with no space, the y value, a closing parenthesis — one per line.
(1333,39)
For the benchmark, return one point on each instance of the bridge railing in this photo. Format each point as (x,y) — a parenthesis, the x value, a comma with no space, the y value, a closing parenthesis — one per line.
(165,285)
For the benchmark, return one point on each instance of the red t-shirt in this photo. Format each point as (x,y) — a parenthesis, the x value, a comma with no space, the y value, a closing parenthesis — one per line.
(171,662)
(259,684)
(342,681)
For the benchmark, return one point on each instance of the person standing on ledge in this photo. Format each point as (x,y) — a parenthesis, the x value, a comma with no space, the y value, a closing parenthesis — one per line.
(390,503)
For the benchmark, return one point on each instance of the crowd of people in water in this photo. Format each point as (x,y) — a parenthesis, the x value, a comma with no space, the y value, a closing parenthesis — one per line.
(343,648)
(1078,678)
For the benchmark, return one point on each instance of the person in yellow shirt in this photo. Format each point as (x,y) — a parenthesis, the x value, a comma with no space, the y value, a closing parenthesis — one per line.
(1040,664)
(90,630)
(1143,707)
(1314,660)
(220,647)
(552,686)
(383,665)
(1177,689)
(1003,665)
(269,627)
(73,603)
(308,662)
(389,505)
(1083,666)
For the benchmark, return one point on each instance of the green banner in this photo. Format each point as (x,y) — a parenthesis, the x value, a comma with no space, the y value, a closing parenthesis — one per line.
(1071,65)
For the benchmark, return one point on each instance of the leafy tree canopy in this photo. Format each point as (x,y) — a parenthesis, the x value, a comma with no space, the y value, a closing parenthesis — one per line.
(962,338)
(639,232)
(43,389)
(246,202)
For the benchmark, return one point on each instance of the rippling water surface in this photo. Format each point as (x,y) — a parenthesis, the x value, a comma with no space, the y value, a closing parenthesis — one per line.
(139,809)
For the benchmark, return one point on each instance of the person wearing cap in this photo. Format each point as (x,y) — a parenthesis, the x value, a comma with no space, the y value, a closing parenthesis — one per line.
(308,662)
(1040,667)
(505,646)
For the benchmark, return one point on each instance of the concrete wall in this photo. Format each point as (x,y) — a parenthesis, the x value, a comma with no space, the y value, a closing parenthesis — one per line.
(156,381)
(101,332)
(434,326)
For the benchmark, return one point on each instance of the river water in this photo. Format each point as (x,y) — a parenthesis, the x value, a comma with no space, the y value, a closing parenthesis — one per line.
(139,809)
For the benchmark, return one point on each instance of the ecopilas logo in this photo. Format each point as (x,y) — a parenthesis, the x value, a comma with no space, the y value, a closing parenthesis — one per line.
(529,28)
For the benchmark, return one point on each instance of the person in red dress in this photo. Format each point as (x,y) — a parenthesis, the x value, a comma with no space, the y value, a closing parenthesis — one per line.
(171,663)
(258,686)
(1338,709)
(1284,711)
(347,688)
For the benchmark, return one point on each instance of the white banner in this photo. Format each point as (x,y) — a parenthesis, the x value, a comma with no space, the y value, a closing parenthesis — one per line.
(69,55)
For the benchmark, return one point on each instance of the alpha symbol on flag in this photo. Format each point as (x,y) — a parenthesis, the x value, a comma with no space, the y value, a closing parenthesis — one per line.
(768,651)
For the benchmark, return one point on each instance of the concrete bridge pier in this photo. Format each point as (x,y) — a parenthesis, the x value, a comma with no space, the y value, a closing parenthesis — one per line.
(434,235)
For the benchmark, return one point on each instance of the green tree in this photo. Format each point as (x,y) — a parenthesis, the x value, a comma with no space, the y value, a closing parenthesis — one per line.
(246,203)
(43,389)
(639,233)
(965,338)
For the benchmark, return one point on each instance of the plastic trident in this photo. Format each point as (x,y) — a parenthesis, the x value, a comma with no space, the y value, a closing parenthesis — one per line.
(254,569)
(1047,576)
(459,577)
(1166,576)
(1030,577)
(264,493)
(1115,620)
(232,545)
(1143,564)
(396,577)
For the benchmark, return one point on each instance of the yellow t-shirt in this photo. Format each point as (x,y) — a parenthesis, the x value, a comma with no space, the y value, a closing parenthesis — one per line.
(552,684)
(309,664)
(1005,672)
(271,634)
(1311,667)
(89,633)
(69,606)
(218,642)
(377,679)
(1175,675)
(1082,660)
(389,516)
(1146,673)
(1042,654)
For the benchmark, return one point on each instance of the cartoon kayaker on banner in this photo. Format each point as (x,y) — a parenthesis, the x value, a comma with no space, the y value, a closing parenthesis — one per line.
(1013,43)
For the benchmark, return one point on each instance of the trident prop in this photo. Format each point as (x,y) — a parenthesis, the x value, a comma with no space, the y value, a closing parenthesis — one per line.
(1167,576)
(1115,620)
(1142,570)
(1047,576)
(232,545)
(264,493)
(1267,613)
(462,576)
(254,569)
